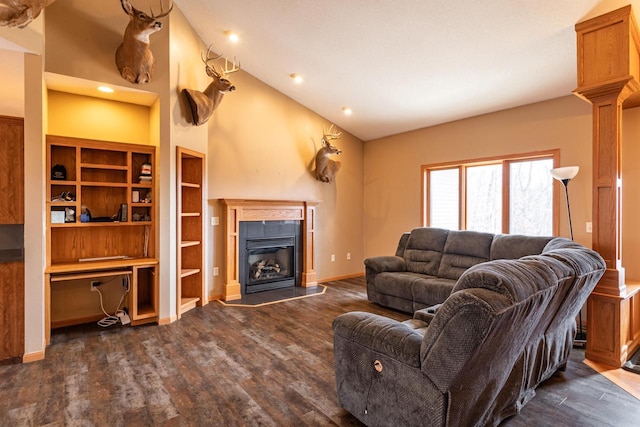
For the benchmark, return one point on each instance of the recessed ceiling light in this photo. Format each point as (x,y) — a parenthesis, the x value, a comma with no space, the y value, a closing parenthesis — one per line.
(105,89)
(233,37)
(297,78)
(347,111)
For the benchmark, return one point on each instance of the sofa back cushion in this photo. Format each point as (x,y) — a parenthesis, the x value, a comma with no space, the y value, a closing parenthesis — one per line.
(462,250)
(514,246)
(480,332)
(402,244)
(424,250)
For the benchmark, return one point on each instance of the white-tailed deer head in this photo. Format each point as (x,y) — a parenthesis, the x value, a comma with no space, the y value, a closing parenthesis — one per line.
(20,13)
(133,57)
(326,169)
(203,104)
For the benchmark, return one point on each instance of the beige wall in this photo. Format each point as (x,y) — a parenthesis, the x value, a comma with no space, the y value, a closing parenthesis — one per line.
(262,145)
(392,167)
(95,118)
(12,72)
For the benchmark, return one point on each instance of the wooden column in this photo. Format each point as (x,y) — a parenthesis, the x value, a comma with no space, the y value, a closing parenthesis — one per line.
(608,61)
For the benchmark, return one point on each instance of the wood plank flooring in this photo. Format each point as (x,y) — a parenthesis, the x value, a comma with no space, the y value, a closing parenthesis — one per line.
(241,366)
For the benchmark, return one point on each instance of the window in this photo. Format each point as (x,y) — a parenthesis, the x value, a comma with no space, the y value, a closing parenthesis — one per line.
(503,195)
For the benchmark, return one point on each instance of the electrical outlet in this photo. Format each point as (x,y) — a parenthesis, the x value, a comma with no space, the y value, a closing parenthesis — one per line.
(215,220)
(94,285)
(348,255)
(216,271)
(333,258)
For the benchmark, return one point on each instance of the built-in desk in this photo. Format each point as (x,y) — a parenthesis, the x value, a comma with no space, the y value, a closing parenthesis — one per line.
(142,297)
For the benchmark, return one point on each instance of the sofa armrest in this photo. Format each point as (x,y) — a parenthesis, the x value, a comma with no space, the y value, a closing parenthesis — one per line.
(381,264)
(381,335)
(426,314)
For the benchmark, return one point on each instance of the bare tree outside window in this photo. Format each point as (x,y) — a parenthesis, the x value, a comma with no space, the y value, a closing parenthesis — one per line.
(530,198)
(501,195)
(444,199)
(484,198)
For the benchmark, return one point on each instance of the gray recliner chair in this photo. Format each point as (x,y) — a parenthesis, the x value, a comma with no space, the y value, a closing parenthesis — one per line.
(507,326)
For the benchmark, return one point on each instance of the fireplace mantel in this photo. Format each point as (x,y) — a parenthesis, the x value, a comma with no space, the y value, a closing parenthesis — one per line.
(237,210)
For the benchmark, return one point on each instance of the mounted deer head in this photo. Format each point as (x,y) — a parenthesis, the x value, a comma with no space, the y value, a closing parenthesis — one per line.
(327,169)
(20,13)
(133,57)
(202,104)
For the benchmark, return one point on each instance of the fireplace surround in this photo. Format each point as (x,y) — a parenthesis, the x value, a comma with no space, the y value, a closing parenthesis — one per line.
(243,210)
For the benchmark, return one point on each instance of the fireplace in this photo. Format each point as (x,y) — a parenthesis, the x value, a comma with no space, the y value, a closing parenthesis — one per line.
(270,255)
(238,213)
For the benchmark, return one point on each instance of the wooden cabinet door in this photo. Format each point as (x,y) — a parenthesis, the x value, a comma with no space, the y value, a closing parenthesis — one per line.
(11,239)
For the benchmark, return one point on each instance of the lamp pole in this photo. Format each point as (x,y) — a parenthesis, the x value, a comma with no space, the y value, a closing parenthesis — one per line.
(565,182)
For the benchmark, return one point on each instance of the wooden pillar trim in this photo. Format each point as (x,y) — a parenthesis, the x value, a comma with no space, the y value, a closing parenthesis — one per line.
(608,74)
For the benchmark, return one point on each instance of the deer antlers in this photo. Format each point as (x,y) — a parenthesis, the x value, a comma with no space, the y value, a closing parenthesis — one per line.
(162,12)
(211,69)
(330,134)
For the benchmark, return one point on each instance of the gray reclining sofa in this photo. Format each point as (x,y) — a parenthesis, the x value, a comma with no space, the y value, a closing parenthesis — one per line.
(429,261)
(507,325)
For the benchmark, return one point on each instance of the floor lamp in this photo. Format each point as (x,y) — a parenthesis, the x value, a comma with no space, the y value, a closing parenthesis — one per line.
(564,175)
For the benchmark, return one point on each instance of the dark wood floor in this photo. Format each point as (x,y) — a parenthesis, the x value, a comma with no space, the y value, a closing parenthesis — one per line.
(236,366)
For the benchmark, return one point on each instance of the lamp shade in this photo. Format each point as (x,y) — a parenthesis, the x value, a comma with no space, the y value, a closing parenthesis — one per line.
(567,172)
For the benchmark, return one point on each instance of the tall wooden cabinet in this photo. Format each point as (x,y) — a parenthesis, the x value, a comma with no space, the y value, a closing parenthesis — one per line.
(190,212)
(101,218)
(12,239)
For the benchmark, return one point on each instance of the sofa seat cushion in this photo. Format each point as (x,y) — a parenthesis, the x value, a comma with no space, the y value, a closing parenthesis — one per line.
(463,250)
(397,284)
(432,290)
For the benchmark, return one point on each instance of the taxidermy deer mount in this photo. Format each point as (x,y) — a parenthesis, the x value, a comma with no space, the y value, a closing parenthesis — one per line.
(20,13)
(202,104)
(326,169)
(133,57)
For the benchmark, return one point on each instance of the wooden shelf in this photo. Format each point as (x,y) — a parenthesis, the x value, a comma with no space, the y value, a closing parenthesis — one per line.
(63,204)
(102,176)
(103,166)
(190,178)
(185,272)
(190,185)
(104,184)
(187,304)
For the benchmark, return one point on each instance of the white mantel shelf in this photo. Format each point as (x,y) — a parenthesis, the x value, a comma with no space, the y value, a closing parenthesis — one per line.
(237,210)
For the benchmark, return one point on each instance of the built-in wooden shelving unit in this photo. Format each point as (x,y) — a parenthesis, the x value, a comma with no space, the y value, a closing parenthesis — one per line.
(190,259)
(101,218)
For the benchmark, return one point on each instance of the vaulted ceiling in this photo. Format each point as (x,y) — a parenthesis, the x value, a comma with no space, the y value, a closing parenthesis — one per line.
(401,65)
